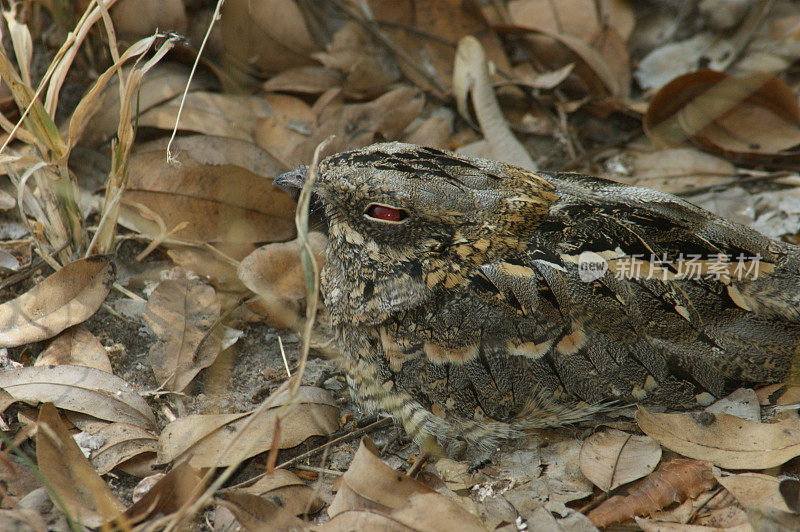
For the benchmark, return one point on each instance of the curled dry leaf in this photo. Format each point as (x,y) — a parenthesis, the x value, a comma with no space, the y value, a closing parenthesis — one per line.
(66,298)
(178,488)
(75,346)
(258,513)
(420,512)
(675,481)
(181,312)
(215,201)
(612,458)
(372,494)
(122,442)
(369,483)
(754,118)
(217,440)
(754,489)
(136,19)
(85,495)
(471,76)
(80,389)
(275,273)
(725,440)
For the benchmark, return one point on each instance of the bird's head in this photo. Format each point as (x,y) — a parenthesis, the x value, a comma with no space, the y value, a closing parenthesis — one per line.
(406,221)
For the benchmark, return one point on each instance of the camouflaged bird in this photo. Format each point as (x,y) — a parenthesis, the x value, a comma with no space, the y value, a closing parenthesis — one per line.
(474,300)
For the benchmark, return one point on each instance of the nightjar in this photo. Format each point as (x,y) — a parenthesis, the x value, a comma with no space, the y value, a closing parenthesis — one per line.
(474,300)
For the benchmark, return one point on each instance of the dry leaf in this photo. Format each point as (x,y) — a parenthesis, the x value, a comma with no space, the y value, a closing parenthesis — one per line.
(450,21)
(371,484)
(612,458)
(676,170)
(275,273)
(288,491)
(268,35)
(66,298)
(80,389)
(220,201)
(751,119)
(303,80)
(23,520)
(727,441)
(675,481)
(789,489)
(471,76)
(289,126)
(136,19)
(181,312)
(366,67)
(754,489)
(75,346)
(574,17)
(224,115)
(86,496)
(178,488)
(162,83)
(206,439)
(258,513)
(122,442)
(373,494)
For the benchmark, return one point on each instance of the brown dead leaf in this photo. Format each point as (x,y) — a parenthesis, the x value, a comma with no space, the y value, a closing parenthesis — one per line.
(612,458)
(371,484)
(258,513)
(23,520)
(275,273)
(269,35)
(75,346)
(66,298)
(85,495)
(162,83)
(675,481)
(367,68)
(789,489)
(754,489)
(304,80)
(181,486)
(206,439)
(449,21)
(180,312)
(361,124)
(288,491)
(122,442)
(676,169)
(725,440)
(289,126)
(137,19)
(421,511)
(80,389)
(220,201)
(579,18)
(751,119)
(210,113)
(373,494)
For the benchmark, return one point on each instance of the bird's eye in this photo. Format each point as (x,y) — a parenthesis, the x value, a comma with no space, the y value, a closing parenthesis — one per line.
(385,213)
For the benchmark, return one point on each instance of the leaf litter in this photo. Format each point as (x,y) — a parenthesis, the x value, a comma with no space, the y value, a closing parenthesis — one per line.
(185,372)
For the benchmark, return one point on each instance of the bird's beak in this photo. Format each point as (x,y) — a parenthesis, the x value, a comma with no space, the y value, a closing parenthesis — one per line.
(291,180)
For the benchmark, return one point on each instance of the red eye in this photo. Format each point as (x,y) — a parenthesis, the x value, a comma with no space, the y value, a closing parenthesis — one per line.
(386,213)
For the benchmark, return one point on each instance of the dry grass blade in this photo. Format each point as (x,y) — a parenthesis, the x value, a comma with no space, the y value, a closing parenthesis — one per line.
(310,266)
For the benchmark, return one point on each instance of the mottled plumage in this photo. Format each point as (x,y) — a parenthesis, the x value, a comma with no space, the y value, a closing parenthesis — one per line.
(454,288)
